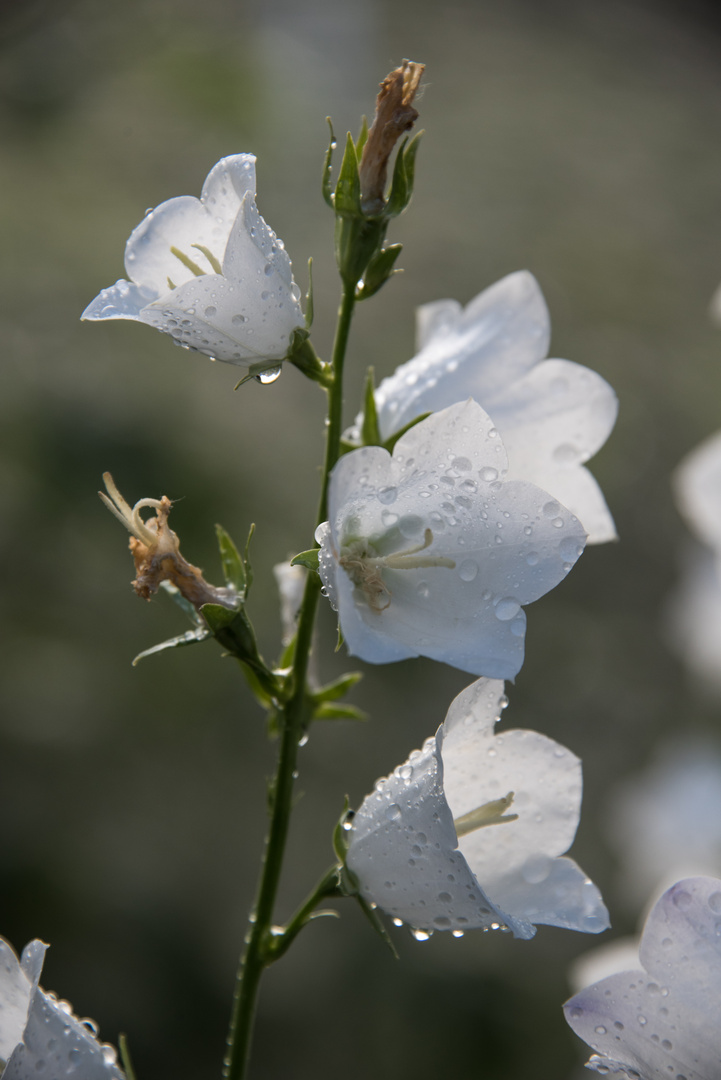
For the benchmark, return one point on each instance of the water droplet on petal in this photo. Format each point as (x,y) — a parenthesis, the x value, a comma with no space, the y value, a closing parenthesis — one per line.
(507,608)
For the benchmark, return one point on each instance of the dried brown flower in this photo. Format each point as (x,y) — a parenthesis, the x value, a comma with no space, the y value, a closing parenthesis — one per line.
(394,115)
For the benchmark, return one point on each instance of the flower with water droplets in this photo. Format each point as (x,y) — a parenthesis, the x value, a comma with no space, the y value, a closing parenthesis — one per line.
(469,831)
(39,1035)
(428,552)
(553,415)
(662,1023)
(210,273)
(693,615)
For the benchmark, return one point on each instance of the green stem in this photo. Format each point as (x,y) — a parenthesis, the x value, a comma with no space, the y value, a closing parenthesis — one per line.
(293,718)
(283,937)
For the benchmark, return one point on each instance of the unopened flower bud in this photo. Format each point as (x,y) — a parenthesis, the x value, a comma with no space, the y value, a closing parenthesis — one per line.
(394,115)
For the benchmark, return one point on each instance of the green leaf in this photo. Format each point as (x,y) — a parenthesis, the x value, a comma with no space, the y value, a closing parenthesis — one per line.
(380,268)
(393,439)
(338,688)
(347,191)
(362,138)
(185,605)
(125,1057)
(330,710)
(233,563)
(218,617)
(369,431)
(309,297)
(190,637)
(327,162)
(308,559)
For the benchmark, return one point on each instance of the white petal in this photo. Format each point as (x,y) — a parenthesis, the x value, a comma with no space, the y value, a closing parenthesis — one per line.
(502,333)
(693,616)
(123,300)
(185,221)
(58,1045)
(15,992)
(697,484)
(402,849)
(681,943)
(552,420)
(555,892)
(603,960)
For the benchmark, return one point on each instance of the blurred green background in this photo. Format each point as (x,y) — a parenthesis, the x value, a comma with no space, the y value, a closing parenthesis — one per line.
(579,140)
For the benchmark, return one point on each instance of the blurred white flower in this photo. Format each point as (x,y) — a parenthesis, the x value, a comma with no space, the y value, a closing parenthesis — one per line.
(665,823)
(467,833)
(39,1035)
(428,552)
(210,273)
(662,1023)
(291,585)
(693,616)
(553,415)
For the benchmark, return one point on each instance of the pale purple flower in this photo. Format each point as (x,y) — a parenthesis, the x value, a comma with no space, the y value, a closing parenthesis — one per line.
(662,1022)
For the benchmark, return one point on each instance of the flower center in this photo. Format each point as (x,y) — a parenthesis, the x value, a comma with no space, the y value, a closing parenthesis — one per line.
(491,813)
(191,265)
(364,567)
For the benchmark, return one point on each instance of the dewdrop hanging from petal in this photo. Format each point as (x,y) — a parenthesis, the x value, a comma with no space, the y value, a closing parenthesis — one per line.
(468,833)
(210,273)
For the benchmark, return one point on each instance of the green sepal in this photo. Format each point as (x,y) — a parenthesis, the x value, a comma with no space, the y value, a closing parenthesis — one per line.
(309,310)
(303,356)
(338,688)
(380,268)
(330,710)
(340,840)
(232,561)
(345,447)
(308,559)
(347,191)
(340,640)
(362,138)
(218,617)
(246,560)
(377,923)
(125,1058)
(393,439)
(257,369)
(190,637)
(185,605)
(403,177)
(369,430)
(327,163)
(259,692)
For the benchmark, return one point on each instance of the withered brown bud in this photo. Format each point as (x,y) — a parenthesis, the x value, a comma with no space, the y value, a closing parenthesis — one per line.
(156,551)
(394,115)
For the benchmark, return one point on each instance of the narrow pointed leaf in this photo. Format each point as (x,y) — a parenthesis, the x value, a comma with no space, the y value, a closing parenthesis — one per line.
(340,834)
(362,138)
(185,605)
(393,439)
(338,688)
(190,637)
(309,297)
(327,162)
(233,563)
(330,710)
(379,270)
(246,556)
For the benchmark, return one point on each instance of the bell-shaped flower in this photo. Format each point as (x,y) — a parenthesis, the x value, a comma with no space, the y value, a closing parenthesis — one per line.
(662,1023)
(39,1035)
(210,273)
(469,831)
(428,552)
(553,415)
(693,615)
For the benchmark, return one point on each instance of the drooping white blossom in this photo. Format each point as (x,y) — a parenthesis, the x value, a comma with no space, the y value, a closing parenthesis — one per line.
(553,415)
(693,616)
(469,831)
(210,273)
(39,1035)
(429,552)
(662,1023)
